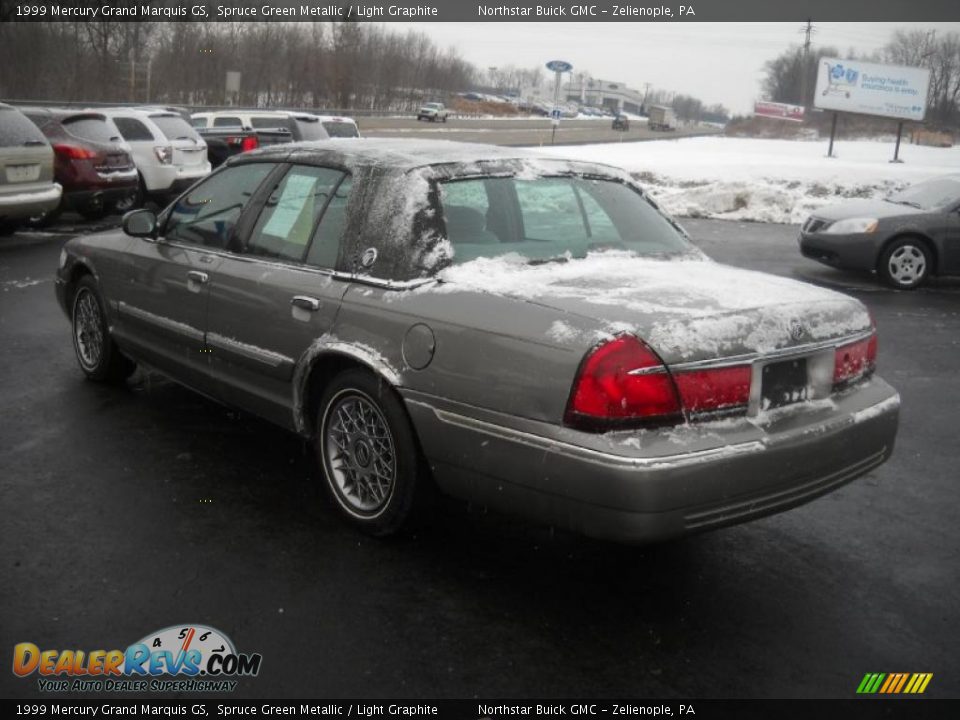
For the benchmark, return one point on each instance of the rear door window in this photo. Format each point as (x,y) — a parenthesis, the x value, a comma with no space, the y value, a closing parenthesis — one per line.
(17,130)
(209,213)
(265,122)
(174,127)
(340,129)
(290,215)
(325,246)
(132,129)
(310,129)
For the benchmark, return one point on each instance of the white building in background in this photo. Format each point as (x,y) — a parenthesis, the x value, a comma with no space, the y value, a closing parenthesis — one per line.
(608,94)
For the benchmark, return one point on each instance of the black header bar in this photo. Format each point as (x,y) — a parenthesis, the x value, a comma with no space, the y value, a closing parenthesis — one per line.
(119,707)
(479,10)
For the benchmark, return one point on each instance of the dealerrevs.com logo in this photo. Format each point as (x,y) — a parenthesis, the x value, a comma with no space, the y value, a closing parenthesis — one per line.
(200,658)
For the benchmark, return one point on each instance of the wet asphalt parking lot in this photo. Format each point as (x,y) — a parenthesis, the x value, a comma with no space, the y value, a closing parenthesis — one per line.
(126,510)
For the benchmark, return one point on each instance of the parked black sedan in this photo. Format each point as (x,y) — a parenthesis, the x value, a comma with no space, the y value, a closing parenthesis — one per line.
(905,238)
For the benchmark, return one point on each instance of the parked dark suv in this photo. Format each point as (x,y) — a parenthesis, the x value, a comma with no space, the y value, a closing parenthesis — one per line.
(91,161)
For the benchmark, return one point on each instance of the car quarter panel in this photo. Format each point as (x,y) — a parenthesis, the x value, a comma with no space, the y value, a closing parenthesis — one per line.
(487,351)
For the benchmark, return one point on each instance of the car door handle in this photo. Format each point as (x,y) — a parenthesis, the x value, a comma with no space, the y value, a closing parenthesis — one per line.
(198,277)
(305,302)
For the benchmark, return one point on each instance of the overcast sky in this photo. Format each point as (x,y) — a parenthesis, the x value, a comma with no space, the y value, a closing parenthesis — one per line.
(716,62)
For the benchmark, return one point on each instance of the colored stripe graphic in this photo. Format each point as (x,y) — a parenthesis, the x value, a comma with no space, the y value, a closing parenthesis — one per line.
(894,683)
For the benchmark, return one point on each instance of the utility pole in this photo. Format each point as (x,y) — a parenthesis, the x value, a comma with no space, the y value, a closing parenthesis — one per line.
(808,31)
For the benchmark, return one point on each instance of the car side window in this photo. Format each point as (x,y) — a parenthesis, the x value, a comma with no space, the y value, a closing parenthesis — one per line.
(601,227)
(225,121)
(290,215)
(132,129)
(550,209)
(208,214)
(325,246)
(466,207)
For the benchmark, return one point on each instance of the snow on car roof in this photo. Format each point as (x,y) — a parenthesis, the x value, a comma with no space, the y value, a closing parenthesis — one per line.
(409,154)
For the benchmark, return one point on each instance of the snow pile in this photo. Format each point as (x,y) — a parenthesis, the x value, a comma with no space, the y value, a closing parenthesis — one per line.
(765,180)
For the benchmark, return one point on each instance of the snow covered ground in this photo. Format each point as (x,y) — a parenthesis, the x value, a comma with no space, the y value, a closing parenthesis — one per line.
(765,180)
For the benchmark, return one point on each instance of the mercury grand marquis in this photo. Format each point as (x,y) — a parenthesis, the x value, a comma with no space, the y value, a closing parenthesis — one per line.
(531,334)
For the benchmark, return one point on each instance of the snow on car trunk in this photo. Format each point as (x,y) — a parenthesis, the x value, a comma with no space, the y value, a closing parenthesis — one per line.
(687,309)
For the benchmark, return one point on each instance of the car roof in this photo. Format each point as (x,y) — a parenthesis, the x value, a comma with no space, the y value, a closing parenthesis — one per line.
(400,154)
(57,113)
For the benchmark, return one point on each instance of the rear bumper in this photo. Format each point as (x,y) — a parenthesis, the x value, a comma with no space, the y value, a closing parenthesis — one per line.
(169,180)
(30,203)
(640,490)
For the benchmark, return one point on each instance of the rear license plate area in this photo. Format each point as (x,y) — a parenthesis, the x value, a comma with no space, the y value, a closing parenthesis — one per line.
(23,173)
(783,383)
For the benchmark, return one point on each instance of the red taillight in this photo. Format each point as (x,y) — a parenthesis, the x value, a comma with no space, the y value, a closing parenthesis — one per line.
(622,380)
(854,360)
(725,388)
(250,142)
(73,152)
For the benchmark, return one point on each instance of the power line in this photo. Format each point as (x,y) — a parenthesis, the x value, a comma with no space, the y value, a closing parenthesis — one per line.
(808,30)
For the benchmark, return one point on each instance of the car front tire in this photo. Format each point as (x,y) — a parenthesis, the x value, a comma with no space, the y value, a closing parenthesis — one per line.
(905,263)
(97,353)
(368,454)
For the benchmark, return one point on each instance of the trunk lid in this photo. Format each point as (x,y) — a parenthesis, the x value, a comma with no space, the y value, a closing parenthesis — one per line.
(686,310)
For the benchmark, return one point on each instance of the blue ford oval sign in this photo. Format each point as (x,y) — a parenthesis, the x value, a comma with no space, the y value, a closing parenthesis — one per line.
(559,66)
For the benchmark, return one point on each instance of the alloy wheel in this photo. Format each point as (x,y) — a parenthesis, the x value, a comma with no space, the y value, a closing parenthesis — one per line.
(360,452)
(907,264)
(88,329)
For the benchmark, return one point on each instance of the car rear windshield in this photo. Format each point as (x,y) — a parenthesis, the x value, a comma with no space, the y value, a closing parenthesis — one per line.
(340,129)
(92,128)
(553,218)
(265,122)
(16,130)
(310,128)
(175,127)
(930,195)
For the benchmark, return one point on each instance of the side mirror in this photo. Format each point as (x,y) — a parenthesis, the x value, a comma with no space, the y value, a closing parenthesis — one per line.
(140,223)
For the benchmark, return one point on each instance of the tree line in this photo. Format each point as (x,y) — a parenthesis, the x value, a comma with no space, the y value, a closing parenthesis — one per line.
(311,65)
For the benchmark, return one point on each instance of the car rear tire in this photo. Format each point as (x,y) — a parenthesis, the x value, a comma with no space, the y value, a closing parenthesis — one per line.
(368,454)
(133,201)
(905,263)
(97,353)
(95,212)
(8,227)
(45,219)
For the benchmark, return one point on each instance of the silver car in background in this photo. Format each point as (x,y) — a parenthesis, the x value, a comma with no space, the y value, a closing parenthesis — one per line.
(530,334)
(27,188)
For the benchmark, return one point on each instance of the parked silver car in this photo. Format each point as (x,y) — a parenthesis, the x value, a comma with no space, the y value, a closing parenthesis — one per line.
(530,334)
(26,171)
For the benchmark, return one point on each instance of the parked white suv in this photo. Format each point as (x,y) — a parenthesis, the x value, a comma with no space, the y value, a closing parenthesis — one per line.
(169,154)
(434,112)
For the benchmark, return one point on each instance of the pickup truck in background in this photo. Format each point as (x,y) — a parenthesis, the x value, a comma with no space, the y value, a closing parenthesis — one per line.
(229,132)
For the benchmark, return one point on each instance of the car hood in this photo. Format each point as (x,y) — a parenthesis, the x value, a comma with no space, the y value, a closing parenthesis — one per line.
(865,209)
(687,310)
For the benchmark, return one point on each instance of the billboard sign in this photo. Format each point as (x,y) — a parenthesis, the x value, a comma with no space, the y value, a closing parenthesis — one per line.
(778,111)
(872,89)
(559,66)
